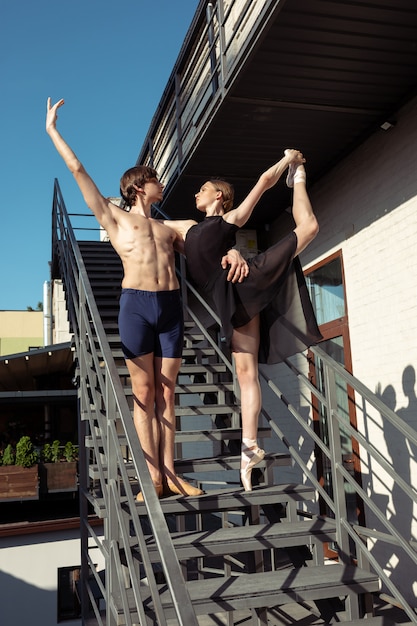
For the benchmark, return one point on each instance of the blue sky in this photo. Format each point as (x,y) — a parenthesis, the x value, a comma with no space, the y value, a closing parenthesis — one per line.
(110,61)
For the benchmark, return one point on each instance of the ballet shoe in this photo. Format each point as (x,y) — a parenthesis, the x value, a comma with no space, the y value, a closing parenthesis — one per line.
(255,456)
(159,488)
(296,172)
(292,168)
(180,487)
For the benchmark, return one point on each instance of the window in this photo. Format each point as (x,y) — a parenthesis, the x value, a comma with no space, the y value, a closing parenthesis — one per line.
(326,288)
(69,606)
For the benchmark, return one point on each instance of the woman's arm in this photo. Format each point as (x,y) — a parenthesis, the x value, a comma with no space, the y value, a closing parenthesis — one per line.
(268,179)
(181,227)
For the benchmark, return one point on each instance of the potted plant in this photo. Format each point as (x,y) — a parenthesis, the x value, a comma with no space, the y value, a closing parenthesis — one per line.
(58,470)
(70,452)
(19,478)
(51,452)
(8,456)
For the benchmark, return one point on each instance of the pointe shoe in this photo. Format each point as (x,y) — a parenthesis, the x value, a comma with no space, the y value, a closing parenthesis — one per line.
(180,487)
(296,171)
(255,456)
(159,488)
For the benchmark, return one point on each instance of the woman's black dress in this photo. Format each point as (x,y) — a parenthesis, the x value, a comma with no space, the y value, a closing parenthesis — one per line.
(275,288)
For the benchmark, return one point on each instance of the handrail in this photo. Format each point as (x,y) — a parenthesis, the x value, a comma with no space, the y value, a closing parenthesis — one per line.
(102,403)
(348,530)
(196,88)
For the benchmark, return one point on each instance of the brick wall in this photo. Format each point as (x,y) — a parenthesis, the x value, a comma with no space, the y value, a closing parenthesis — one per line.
(367,207)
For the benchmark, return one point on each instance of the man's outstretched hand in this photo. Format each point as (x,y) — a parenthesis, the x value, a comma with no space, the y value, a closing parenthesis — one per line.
(51,113)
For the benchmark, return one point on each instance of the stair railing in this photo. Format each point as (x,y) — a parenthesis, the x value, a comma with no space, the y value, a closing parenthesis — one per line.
(355,541)
(353,538)
(102,407)
(224,34)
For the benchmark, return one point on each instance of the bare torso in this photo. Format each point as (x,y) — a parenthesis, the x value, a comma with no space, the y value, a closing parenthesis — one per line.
(145,247)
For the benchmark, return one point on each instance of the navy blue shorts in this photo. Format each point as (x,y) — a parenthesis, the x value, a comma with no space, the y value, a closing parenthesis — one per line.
(151,321)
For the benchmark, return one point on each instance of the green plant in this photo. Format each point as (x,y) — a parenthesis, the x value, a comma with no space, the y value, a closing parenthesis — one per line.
(54,452)
(51,452)
(8,455)
(26,455)
(46,453)
(70,452)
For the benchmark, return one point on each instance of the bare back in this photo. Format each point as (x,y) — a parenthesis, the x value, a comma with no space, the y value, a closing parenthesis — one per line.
(146,249)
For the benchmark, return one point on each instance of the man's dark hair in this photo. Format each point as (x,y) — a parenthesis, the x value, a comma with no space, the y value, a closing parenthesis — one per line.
(138,176)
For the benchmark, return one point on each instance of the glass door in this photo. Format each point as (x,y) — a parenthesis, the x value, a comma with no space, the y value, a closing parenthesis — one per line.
(327,291)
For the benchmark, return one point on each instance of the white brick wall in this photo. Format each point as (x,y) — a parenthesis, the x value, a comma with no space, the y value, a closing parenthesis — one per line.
(367,207)
(372,198)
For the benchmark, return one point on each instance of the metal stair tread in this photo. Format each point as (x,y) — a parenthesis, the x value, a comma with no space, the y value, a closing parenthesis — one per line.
(186,352)
(218,500)
(232,498)
(265,589)
(188,369)
(206,409)
(194,465)
(191,388)
(377,620)
(221,541)
(217,434)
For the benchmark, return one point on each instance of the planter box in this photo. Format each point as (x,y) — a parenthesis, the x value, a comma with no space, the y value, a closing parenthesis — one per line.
(19,483)
(56,477)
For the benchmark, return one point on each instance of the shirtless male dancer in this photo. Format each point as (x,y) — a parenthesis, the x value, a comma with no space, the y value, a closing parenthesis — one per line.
(150,318)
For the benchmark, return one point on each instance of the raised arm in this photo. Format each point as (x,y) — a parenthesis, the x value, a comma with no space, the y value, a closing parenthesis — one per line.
(268,179)
(99,205)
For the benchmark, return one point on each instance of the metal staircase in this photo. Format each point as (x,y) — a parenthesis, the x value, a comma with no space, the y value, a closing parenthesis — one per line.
(174,560)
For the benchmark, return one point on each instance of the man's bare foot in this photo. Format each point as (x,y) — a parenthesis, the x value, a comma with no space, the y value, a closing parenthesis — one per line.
(296,161)
(179,486)
(159,488)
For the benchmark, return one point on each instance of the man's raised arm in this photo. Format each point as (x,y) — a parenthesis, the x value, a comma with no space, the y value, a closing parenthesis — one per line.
(98,204)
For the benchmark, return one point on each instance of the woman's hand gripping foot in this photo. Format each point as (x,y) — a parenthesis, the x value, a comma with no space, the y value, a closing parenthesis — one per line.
(294,166)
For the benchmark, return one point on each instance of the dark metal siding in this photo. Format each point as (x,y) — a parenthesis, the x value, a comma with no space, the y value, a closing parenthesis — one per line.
(322,76)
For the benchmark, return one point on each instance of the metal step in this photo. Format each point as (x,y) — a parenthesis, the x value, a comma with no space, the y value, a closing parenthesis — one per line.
(218,434)
(379,620)
(188,369)
(231,499)
(191,388)
(221,541)
(105,284)
(114,342)
(211,464)
(206,409)
(261,590)
(288,495)
(234,499)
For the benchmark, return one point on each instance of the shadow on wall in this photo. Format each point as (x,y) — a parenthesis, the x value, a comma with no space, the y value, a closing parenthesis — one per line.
(23,603)
(398,509)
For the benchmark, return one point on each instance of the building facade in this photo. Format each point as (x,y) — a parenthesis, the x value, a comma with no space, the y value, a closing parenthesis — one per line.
(366,207)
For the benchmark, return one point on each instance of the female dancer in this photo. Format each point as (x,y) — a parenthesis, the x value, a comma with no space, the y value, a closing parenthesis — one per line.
(268,316)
